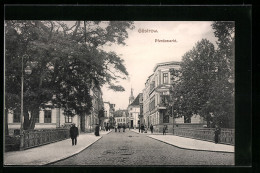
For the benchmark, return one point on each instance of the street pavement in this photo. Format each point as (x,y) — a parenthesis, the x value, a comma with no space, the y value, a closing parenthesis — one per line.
(189,143)
(133,149)
(51,152)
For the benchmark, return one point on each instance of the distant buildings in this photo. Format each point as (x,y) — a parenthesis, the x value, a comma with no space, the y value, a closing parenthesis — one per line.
(134,111)
(109,110)
(121,117)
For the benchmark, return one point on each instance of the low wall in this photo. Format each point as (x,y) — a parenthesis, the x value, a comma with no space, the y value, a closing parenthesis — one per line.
(34,138)
(227,136)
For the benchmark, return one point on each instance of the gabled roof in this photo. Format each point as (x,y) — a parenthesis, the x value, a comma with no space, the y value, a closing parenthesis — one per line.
(119,113)
(136,101)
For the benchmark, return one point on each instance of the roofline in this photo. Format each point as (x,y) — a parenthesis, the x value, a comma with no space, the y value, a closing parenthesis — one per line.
(166,63)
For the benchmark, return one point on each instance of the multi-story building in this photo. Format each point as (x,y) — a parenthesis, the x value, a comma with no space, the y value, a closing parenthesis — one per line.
(134,112)
(51,118)
(108,114)
(121,118)
(156,98)
(97,104)
(141,115)
(112,110)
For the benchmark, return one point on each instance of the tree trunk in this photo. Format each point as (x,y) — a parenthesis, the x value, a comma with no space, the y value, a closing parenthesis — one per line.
(35,113)
(6,123)
(82,122)
(26,119)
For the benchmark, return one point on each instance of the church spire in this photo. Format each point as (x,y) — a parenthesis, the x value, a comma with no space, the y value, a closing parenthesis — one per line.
(131,98)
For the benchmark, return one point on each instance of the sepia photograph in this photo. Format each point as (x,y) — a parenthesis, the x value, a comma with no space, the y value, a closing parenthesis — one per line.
(119,93)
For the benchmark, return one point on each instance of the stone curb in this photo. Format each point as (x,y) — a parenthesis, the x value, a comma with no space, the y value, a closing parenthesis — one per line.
(190,148)
(71,155)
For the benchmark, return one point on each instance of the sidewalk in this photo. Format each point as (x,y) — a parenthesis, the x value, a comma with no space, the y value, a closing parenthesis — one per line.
(189,143)
(51,152)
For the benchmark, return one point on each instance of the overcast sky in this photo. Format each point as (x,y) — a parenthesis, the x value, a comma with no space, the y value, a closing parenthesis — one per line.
(142,52)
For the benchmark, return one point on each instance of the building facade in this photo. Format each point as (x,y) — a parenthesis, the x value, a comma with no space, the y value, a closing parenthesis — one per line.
(51,118)
(121,118)
(156,99)
(92,119)
(134,112)
(109,110)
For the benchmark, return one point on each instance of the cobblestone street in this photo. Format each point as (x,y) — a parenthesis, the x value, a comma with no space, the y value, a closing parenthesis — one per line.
(129,148)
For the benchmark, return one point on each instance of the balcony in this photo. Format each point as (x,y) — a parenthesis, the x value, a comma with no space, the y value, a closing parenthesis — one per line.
(162,106)
(163,102)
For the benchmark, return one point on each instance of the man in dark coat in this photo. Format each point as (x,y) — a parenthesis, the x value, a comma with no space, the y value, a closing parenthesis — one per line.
(217,133)
(74,133)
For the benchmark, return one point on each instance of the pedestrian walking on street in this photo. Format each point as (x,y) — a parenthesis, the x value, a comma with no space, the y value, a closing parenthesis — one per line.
(115,128)
(119,127)
(164,130)
(217,133)
(74,133)
(97,130)
(123,127)
(151,128)
(142,128)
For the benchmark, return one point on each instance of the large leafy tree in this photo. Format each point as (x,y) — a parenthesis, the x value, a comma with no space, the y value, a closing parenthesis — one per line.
(66,61)
(204,83)
(194,79)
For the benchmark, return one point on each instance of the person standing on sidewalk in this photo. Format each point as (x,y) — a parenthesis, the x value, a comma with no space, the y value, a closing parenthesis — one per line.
(151,128)
(217,133)
(97,130)
(74,133)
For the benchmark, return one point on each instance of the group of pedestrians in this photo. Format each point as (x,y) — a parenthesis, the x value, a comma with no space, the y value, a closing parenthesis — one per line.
(118,127)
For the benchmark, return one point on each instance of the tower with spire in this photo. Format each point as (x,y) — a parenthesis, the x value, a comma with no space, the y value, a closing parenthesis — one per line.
(131,98)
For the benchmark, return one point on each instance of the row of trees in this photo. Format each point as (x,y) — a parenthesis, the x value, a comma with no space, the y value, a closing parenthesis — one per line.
(66,59)
(204,84)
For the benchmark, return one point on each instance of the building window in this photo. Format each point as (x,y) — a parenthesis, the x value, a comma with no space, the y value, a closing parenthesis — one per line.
(47,116)
(165,78)
(187,119)
(152,104)
(17,115)
(68,119)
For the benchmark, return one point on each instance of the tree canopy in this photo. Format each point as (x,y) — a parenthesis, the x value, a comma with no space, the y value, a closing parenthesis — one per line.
(203,85)
(66,59)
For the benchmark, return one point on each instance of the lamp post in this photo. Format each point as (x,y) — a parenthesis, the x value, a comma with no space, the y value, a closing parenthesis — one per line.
(27,71)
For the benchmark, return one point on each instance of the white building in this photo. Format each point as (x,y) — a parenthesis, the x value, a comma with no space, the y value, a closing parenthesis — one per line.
(156,96)
(134,112)
(121,117)
(55,117)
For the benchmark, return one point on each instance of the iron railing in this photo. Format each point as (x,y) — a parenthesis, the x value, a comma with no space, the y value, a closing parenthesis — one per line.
(227,136)
(34,138)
